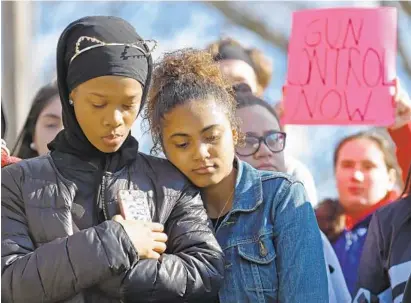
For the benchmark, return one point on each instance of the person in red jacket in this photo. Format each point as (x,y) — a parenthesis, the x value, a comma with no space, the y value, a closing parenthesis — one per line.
(400,131)
(349,244)
(366,172)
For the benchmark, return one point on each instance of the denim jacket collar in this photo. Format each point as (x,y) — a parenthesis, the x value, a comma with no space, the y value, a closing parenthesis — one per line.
(248,192)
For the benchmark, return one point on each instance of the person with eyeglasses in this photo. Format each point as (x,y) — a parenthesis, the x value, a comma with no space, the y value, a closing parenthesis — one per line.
(268,156)
(262,220)
(264,149)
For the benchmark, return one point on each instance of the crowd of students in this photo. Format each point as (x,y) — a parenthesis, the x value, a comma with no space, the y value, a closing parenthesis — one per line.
(231,216)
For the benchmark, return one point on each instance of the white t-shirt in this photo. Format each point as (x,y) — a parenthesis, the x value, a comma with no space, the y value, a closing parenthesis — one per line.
(301,173)
(337,288)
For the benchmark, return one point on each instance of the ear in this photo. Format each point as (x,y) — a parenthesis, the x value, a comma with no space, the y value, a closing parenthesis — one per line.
(392,179)
(72,95)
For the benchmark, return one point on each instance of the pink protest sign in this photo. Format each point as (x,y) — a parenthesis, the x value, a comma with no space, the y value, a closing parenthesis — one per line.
(341,66)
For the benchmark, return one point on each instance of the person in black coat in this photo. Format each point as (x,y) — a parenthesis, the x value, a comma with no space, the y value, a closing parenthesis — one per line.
(63,239)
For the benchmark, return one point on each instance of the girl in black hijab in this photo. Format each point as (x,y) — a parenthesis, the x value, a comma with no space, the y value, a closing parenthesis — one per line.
(63,239)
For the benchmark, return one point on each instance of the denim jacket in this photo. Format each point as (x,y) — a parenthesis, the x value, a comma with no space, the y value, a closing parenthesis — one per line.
(272,243)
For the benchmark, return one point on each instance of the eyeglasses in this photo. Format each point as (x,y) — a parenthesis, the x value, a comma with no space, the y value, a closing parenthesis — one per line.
(275,142)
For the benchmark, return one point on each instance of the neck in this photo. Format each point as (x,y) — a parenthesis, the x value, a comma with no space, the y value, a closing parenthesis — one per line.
(359,214)
(218,198)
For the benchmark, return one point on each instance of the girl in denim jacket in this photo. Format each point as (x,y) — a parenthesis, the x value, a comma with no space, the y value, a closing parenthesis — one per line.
(263,220)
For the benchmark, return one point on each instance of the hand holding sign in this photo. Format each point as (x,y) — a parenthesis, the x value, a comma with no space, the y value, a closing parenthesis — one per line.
(402,105)
(341,66)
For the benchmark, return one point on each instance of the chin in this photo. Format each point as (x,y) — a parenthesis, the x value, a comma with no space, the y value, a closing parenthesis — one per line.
(109,149)
(205,181)
(358,204)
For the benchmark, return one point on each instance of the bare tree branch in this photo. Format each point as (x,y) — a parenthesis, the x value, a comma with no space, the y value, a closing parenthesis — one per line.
(246,21)
(402,52)
(406,59)
(406,6)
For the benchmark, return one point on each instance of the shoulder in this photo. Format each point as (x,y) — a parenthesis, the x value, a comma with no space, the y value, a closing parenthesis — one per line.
(21,180)
(34,168)
(162,172)
(281,187)
(400,210)
(277,180)
(299,170)
(294,166)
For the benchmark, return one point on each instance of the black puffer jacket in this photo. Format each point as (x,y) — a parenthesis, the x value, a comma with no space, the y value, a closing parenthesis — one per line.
(385,265)
(45,258)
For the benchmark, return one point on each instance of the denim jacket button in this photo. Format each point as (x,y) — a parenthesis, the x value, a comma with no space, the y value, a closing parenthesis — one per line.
(263,250)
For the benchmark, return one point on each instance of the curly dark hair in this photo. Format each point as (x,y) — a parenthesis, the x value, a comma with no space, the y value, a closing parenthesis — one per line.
(182,76)
(330,218)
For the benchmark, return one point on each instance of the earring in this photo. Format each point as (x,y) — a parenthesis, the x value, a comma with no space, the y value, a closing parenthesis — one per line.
(32,146)
(71,102)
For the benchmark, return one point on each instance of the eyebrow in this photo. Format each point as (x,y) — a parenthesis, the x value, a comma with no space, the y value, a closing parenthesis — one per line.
(128,97)
(268,132)
(202,131)
(98,95)
(347,161)
(51,116)
(363,161)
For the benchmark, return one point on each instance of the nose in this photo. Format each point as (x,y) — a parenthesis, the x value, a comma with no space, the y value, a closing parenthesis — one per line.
(358,175)
(201,152)
(263,151)
(114,118)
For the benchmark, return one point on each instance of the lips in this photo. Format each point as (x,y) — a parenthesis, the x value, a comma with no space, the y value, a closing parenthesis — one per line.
(355,190)
(204,170)
(112,140)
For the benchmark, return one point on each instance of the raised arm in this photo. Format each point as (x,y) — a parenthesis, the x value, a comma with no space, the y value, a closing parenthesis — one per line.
(400,131)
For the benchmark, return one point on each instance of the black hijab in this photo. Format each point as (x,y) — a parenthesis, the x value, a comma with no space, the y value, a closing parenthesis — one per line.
(3,121)
(81,56)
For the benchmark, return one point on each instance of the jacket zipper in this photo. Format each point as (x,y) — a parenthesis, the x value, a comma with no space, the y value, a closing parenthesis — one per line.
(102,196)
(102,199)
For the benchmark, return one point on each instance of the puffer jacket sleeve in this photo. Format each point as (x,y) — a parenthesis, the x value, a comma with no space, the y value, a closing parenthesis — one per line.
(59,269)
(191,270)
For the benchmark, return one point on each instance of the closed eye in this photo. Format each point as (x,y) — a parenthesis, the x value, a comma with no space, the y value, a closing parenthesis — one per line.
(128,106)
(212,139)
(99,105)
(182,145)
(369,165)
(52,125)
